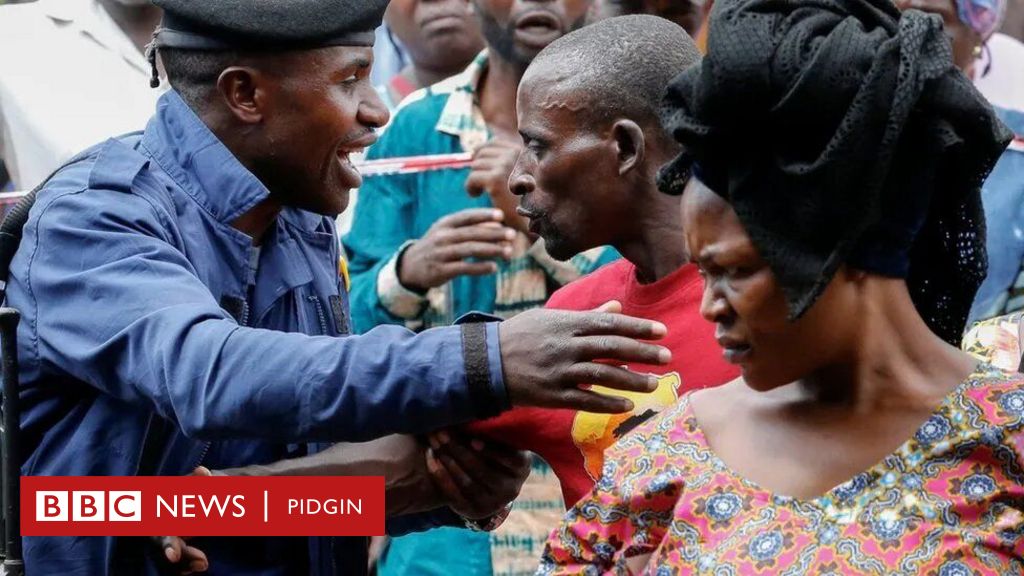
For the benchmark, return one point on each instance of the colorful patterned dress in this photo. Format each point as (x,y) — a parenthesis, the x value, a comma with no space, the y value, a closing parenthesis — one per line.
(948,502)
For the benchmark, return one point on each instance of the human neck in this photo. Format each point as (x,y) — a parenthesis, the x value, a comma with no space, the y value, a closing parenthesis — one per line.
(497,93)
(257,221)
(423,75)
(896,361)
(137,22)
(657,245)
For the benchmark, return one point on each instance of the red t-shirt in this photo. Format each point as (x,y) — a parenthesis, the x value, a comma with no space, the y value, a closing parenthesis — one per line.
(573,442)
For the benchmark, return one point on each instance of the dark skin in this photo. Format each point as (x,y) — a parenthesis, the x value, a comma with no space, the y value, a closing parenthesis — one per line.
(291,118)
(687,14)
(583,184)
(441,37)
(137,18)
(321,103)
(868,373)
(472,478)
(515,31)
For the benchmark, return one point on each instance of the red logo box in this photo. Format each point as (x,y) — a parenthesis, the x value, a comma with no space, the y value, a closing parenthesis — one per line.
(202,506)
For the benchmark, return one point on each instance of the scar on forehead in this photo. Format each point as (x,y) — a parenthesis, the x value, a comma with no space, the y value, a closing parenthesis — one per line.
(553,102)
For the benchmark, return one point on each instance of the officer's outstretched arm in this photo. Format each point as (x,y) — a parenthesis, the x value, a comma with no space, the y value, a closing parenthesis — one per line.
(108,299)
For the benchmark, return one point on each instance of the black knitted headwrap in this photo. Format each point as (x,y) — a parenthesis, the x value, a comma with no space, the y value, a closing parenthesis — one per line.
(841,132)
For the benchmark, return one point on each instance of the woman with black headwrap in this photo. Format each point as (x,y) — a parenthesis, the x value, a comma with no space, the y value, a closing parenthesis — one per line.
(835,214)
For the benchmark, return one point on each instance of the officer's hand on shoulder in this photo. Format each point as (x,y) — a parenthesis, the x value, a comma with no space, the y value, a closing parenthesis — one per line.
(548,354)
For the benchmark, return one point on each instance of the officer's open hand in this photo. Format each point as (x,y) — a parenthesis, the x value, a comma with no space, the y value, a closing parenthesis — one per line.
(444,252)
(548,354)
(477,479)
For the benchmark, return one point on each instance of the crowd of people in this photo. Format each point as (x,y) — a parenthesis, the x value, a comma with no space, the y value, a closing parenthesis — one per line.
(713,287)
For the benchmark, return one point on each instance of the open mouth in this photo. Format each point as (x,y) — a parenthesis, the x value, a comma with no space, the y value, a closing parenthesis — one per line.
(345,156)
(538,28)
(538,19)
(349,148)
(355,146)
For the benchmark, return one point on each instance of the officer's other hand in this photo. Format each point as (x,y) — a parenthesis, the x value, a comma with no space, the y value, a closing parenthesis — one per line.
(548,354)
(443,252)
(477,479)
(180,558)
(489,173)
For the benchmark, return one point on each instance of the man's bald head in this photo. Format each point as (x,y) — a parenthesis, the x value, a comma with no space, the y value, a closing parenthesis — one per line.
(615,68)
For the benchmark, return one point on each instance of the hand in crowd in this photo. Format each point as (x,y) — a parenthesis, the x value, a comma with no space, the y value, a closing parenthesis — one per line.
(443,252)
(477,479)
(548,354)
(492,165)
(182,559)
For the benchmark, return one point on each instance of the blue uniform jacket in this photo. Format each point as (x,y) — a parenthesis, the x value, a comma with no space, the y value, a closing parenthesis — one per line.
(137,306)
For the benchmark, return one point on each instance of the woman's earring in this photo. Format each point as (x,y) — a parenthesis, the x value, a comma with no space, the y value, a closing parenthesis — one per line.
(977,51)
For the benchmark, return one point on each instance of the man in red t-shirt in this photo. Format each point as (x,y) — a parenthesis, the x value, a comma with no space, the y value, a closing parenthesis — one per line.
(586,178)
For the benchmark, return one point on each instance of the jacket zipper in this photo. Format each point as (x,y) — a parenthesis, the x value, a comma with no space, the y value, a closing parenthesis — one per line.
(321,316)
(202,455)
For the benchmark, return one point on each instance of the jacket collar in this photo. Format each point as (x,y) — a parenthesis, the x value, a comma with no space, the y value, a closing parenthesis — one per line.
(198,162)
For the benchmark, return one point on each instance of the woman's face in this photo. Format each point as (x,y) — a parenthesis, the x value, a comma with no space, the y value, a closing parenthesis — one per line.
(747,305)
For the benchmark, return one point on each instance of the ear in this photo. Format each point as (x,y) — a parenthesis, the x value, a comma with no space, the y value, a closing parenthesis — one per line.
(630,144)
(244,92)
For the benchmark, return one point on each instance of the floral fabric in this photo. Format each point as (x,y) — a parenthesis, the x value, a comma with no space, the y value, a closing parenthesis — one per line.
(948,502)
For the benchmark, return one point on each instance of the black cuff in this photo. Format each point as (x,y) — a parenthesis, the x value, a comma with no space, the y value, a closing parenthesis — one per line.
(478,370)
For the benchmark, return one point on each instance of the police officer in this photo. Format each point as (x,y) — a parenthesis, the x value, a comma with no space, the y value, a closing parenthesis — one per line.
(181,297)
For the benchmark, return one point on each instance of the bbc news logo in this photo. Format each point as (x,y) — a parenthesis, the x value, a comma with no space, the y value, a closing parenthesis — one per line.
(202,506)
(89,506)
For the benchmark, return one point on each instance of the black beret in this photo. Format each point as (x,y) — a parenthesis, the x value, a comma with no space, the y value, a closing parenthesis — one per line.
(267,24)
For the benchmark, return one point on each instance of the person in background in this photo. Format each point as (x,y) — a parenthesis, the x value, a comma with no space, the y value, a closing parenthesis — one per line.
(970,24)
(593,145)
(6,184)
(1013,26)
(388,56)
(686,13)
(840,247)
(439,39)
(72,72)
(426,248)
